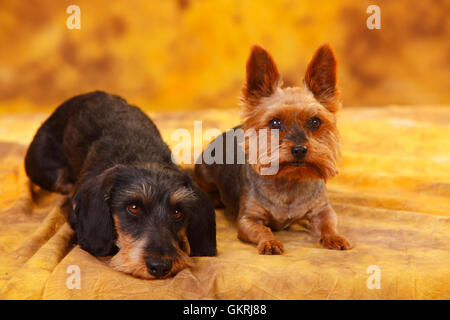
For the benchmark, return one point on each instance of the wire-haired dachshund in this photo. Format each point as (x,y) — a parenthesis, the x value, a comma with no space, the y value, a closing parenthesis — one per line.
(128,198)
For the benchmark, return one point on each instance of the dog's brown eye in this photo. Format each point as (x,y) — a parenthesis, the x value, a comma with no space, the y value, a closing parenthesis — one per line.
(133,208)
(177,214)
(314,123)
(275,124)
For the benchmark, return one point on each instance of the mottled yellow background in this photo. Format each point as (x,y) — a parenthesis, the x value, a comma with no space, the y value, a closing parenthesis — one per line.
(190,54)
(392,195)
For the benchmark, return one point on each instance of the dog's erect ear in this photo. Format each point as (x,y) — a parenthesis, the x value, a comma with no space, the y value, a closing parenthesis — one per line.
(201,229)
(320,77)
(262,76)
(93,219)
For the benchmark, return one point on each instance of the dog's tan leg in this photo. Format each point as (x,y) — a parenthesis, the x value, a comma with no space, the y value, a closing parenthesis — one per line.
(325,223)
(251,228)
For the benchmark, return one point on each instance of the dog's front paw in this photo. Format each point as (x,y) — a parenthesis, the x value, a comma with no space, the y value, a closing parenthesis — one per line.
(335,241)
(272,246)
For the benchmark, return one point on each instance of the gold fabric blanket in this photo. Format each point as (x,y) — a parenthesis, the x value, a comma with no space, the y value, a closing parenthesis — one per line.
(392,198)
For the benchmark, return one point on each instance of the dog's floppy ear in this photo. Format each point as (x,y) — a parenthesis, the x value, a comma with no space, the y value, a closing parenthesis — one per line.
(201,229)
(94,225)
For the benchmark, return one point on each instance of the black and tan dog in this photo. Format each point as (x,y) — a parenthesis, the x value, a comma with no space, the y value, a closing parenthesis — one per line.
(306,154)
(129,200)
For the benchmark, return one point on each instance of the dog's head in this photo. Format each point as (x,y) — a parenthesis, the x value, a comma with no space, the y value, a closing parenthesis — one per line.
(305,117)
(152,217)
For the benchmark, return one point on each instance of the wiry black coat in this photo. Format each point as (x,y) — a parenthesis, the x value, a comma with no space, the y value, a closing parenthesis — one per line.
(96,145)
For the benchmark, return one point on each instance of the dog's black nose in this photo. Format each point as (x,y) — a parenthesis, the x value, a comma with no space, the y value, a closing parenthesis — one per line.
(299,152)
(157,267)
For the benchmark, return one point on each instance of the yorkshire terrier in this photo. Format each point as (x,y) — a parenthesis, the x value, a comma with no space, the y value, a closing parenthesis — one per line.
(128,200)
(307,152)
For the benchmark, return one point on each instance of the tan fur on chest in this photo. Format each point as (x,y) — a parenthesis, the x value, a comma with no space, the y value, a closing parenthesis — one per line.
(285,202)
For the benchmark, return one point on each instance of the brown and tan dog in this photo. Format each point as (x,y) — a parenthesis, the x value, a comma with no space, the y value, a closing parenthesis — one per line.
(307,153)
